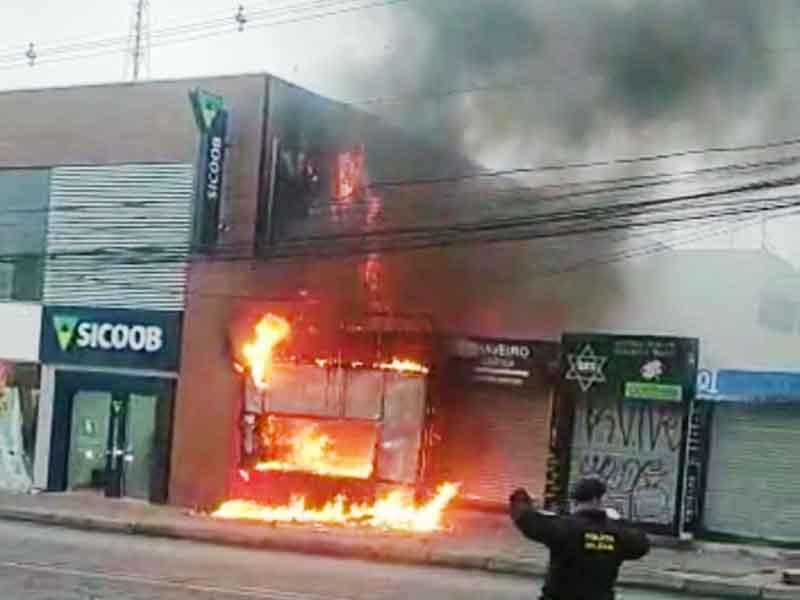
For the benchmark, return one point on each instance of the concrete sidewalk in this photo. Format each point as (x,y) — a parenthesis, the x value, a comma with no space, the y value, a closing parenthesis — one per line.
(477,541)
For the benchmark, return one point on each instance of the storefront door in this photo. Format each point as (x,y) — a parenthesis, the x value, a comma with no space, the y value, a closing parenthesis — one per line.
(114,433)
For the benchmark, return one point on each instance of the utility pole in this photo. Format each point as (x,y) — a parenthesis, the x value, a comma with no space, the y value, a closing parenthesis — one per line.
(139,43)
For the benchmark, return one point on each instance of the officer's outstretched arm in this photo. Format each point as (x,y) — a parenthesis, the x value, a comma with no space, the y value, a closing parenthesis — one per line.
(548,529)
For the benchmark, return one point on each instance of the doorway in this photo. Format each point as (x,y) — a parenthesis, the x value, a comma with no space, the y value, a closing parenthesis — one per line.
(111,433)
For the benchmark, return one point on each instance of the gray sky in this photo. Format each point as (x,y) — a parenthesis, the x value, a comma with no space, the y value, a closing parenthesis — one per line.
(309,52)
(606,77)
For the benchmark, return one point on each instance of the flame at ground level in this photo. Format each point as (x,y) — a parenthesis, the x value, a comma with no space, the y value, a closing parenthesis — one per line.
(396,510)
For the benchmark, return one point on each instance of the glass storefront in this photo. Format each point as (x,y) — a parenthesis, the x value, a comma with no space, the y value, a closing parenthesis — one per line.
(112,430)
(19,404)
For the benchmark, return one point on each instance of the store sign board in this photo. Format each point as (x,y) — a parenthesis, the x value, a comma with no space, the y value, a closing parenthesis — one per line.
(111,337)
(730,385)
(503,362)
(212,120)
(623,415)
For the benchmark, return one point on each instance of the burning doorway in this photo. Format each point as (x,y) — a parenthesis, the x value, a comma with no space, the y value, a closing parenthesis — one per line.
(336,437)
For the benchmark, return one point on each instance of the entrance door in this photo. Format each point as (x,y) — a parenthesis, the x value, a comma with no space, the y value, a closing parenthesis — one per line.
(111,433)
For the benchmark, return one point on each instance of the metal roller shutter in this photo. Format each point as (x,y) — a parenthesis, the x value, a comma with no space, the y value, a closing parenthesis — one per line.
(493,440)
(753,476)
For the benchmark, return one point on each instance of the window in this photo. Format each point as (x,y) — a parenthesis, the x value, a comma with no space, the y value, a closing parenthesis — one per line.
(24,200)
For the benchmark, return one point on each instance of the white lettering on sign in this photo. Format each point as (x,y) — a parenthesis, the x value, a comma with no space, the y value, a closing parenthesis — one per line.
(707,381)
(118,336)
(214,168)
(506,350)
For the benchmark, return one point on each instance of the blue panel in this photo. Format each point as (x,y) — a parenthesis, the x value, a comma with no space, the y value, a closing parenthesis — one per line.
(748,386)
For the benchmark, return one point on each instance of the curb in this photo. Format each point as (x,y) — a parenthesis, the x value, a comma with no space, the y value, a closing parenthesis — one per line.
(414,552)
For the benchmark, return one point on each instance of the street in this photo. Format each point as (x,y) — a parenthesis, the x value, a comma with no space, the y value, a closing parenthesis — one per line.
(38,563)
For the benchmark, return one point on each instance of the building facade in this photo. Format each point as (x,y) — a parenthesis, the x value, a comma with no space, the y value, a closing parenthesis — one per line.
(97,184)
(750,426)
(139,254)
(342,213)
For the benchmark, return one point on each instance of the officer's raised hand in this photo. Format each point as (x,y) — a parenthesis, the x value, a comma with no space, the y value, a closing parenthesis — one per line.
(520,502)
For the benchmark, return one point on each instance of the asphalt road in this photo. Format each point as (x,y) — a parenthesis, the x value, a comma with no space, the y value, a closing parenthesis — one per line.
(42,563)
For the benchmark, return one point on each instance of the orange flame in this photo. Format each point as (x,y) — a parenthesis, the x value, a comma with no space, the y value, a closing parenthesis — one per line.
(395,510)
(312,451)
(403,366)
(269,332)
(397,364)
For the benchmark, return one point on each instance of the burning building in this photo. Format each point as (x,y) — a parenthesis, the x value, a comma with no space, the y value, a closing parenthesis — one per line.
(334,435)
(318,382)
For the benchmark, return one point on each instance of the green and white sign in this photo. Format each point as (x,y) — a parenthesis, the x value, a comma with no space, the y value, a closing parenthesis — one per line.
(205,106)
(622,416)
(211,117)
(112,337)
(653,391)
(105,335)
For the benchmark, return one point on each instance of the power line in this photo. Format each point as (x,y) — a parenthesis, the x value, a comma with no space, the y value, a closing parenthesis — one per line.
(658,248)
(191,27)
(619,257)
(642,251)
(163,39)
(632,182)
(539,218)
(493,87)
(151,253)
(593,212)
(87,37)
(591,164)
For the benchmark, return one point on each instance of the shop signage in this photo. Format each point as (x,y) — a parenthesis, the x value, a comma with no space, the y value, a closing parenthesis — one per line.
(503,362)
(653,391)
(729,385)
(111,337)
(211,117)
(622,414)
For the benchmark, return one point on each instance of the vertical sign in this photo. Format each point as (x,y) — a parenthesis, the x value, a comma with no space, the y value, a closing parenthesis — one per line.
(212,118)
(626,400)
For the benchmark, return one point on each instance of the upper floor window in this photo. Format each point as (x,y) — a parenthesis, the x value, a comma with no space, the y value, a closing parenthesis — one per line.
(24,200)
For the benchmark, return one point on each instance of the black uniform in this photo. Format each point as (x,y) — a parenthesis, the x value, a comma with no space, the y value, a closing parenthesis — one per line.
(586,551)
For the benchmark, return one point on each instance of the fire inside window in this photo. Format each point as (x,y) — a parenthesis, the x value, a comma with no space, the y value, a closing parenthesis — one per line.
(335,448)
(348,179)
(334,440)
(357,419)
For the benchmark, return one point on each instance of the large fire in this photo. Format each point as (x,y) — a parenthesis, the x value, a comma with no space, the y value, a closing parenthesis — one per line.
(337,448)
(269,332)
(396,510)
(308,448)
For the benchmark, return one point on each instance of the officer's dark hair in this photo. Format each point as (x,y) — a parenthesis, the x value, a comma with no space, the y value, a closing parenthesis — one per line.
(589,489)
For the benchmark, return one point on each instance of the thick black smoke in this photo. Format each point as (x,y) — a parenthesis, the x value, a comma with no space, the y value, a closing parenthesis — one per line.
(584,80)
(562,79)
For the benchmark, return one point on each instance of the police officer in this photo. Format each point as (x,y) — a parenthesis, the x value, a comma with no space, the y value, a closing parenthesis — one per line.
(586,548)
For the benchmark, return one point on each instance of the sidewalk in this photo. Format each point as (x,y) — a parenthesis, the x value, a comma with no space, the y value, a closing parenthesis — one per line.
(477,541)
